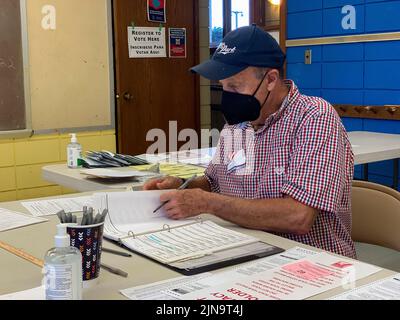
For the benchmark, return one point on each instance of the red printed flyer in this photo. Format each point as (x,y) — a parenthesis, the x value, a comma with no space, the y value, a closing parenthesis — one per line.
(294,281)
(177,42)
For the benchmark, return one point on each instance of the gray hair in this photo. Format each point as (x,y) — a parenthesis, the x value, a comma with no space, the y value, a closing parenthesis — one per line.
(260,72)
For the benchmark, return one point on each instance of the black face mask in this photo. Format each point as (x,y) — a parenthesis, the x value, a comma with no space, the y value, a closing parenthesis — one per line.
(238,108)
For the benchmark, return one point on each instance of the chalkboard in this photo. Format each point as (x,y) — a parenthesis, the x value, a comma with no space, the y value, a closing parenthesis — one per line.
(12,89)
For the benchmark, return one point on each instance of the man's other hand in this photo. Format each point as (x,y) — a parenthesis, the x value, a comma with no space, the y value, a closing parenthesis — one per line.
(163,183)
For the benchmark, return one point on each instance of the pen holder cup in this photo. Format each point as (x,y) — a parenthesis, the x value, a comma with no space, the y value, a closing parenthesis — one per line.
(88,239)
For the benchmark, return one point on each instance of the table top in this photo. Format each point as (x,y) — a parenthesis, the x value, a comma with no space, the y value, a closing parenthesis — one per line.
(17,274)
(75,180)
(372,146)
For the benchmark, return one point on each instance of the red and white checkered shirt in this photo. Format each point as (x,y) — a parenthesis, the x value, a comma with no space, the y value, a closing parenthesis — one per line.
(303,152)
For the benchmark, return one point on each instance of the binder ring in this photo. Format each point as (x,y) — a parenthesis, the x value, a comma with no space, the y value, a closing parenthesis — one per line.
(200,220)
(131,234)
(167,227)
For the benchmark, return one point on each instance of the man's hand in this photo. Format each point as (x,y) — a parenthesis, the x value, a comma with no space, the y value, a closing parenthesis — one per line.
(185,203)
(163,183)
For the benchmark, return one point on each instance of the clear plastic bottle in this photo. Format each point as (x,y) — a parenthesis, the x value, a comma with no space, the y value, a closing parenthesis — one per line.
(74,152)
(63,269)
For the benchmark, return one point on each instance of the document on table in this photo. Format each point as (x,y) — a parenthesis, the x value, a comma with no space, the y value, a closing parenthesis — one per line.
(174,289)
(50,207)
(132,222)
(385,289)
(187,242)
(31,294)
(295,281)
(12,220)
(124,218)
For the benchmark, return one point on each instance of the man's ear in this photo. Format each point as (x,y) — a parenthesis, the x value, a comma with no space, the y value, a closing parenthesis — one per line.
(273,78)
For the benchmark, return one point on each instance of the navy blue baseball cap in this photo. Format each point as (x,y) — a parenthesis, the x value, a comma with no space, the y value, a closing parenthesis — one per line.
(242,48)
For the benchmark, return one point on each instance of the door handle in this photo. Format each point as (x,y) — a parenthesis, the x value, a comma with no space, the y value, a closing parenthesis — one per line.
(128,96)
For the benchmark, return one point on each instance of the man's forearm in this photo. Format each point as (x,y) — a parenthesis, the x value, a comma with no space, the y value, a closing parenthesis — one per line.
(200,183)
(284,215)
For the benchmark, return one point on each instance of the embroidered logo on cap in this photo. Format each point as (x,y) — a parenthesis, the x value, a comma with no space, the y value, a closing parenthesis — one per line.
(224,49)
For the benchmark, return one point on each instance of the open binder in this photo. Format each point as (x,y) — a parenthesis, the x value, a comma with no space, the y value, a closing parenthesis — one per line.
(189,246)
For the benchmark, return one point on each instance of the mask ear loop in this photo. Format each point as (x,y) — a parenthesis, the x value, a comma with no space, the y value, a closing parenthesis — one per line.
(266,99)
(258,88)
(262,81)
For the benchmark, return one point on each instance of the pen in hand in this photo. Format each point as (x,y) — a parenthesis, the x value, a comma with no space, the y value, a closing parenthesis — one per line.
(182,187)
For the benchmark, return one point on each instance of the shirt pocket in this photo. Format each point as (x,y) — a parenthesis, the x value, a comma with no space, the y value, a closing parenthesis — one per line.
(232,183)
(275,173)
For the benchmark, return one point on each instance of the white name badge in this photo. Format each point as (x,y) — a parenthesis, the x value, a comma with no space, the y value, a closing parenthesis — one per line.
(238,161)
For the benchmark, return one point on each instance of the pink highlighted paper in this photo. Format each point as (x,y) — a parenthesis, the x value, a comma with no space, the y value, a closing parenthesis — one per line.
(307,270)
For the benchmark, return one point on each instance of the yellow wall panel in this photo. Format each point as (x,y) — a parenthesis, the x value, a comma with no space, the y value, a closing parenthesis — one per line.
(8,196)
(7,179)
(38,192)
(36,151)
(109,143)
(6,155)
(31,177)
(21,162)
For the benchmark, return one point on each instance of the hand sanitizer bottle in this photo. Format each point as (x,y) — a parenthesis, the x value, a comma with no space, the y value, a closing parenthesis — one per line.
(74,152)
(63,269)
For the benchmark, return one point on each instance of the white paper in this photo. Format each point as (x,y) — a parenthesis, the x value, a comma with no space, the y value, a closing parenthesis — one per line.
(187,242)
(385,289)
(110,173)
(153,158)
(50,207)
(132,212)
(12,220)
(170,289)
(295,281)
(31,294)
(146,42)
(174,289)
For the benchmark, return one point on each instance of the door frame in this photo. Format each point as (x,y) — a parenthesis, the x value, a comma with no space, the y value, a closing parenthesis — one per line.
(196,47)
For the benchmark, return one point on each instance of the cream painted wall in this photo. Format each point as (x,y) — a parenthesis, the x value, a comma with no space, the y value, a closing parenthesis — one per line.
(70,87)
(69,66)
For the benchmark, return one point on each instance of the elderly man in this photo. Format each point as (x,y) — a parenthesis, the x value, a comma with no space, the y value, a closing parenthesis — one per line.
(283,164)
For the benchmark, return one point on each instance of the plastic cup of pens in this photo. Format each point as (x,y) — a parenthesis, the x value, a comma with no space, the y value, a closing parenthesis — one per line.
(86,234)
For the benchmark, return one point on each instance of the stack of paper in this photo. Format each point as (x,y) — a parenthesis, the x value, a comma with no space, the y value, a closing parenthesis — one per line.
(12,220)
(50,207)
(31,294)
(385,289)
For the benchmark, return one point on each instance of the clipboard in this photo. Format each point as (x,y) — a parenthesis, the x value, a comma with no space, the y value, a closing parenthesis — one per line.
(226,258)
(216,260)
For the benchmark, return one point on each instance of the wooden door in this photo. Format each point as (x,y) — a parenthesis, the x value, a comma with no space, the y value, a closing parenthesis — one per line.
(153,91)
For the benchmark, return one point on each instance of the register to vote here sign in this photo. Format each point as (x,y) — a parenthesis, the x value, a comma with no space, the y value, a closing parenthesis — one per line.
(146,42)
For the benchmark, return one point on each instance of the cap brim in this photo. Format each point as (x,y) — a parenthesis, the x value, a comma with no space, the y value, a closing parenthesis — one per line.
(214,70)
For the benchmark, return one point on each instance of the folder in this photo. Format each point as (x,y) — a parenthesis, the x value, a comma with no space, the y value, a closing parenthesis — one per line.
(188,246)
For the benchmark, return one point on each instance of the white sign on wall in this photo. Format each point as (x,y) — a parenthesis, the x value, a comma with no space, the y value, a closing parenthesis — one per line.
(146,42)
